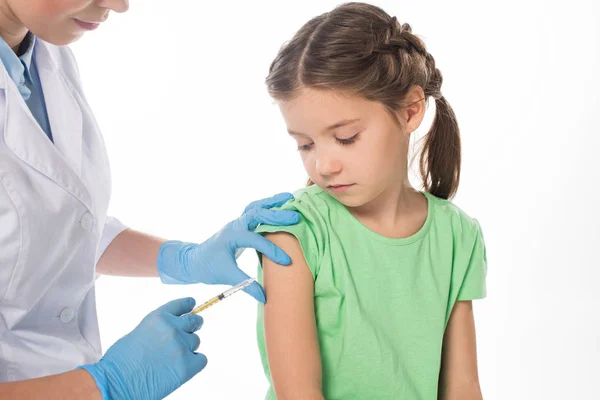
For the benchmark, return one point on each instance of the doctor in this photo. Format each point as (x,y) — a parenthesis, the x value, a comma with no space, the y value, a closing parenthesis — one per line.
(55,235)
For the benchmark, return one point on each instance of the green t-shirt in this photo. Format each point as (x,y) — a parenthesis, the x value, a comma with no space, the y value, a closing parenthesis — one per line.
(382,304)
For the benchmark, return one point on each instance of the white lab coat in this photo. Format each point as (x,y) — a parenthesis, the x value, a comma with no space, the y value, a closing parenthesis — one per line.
(53,224)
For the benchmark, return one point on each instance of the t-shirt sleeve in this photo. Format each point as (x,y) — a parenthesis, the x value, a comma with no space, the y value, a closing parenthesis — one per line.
(473,284)
(306,231)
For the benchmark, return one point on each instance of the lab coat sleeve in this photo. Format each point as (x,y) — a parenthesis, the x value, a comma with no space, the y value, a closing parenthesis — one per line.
(112,228)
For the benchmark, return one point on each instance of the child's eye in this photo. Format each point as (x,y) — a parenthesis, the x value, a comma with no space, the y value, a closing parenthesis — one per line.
(347,141)
(305,147)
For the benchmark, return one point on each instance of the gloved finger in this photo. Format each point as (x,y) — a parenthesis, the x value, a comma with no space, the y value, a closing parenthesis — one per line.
(179,306)
(198,361)
(262,245)
(236,276)
(189,322)
(256,291)
(275,201)
(194,363)
(270,217)
(192,341)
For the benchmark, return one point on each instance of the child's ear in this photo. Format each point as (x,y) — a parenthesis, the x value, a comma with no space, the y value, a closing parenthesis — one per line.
(411,115)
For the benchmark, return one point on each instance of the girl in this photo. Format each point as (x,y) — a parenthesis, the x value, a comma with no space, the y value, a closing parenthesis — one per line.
(377,301)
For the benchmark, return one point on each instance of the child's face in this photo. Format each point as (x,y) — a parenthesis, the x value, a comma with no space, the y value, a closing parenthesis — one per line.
(349,141)
(61,22)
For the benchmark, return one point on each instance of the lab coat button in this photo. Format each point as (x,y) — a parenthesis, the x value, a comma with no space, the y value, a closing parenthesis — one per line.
(67,315)
(87,222)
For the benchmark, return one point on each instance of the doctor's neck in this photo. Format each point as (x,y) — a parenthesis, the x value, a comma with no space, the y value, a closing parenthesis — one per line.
(11,29)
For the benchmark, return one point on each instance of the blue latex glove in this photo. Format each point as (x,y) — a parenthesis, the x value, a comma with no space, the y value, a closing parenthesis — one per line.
(213,262)
(153,360)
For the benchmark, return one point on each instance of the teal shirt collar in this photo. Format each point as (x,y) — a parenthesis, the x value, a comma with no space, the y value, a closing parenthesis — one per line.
(19,68)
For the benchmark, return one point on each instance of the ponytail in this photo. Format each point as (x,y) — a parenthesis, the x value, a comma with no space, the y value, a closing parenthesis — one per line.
(440,160)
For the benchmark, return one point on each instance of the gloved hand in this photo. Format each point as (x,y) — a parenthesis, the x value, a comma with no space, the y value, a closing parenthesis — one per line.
(213,262)
(155,358)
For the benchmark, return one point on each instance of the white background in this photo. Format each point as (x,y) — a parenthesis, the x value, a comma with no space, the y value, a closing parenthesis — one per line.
(177,87)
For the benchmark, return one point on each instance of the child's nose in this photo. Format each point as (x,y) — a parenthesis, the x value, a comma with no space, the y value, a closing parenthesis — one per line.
(328,164)
(119,6)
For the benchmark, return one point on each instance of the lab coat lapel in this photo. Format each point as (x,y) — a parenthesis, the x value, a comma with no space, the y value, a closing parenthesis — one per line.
(61,162)
(64,111)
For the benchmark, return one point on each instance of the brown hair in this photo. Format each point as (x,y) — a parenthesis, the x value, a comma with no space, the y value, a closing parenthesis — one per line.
(358,48)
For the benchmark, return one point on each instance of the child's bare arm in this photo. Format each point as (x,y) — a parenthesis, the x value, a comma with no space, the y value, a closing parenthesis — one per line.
(459,379)
(290,328)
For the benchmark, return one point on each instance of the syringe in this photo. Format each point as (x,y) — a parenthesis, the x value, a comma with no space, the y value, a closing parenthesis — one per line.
(223,295)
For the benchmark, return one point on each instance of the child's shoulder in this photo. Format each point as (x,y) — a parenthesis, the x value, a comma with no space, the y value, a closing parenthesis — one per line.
(313,205)
(312,192)
(314,226)
(449,214)
(311,199)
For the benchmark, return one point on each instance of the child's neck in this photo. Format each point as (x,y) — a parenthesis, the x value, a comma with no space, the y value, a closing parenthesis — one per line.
(396,213)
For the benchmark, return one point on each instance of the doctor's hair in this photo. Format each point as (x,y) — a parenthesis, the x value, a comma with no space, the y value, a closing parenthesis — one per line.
(359,49)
